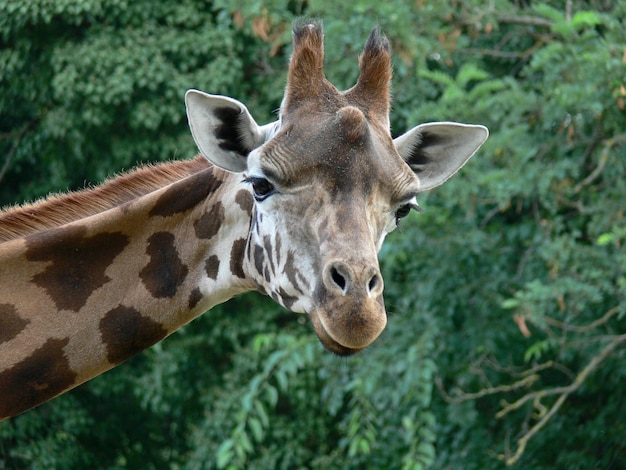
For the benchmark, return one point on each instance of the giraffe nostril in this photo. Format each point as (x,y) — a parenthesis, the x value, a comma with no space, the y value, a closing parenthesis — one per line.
(338,278)
(342,278)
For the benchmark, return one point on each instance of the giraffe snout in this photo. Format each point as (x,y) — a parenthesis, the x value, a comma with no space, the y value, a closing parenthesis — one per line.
(350,313)
(355,279)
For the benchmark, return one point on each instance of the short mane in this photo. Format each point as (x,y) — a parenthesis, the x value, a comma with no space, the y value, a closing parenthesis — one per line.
(61,209)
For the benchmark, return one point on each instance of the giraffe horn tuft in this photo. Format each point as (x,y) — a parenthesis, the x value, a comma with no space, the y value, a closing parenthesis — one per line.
(372,90)
(306,79)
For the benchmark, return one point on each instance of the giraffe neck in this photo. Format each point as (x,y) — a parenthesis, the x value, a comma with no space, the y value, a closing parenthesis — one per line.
(78,298)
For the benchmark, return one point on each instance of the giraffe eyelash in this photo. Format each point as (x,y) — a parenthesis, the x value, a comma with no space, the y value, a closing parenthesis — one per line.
(261,187)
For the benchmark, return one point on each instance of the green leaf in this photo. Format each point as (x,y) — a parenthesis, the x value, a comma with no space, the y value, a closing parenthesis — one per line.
(271,395)
(470,72)
(224,453)
(536,350)
(261,413)
(549,12)
(586,18)
(256,428)
(510,304)
(605,239)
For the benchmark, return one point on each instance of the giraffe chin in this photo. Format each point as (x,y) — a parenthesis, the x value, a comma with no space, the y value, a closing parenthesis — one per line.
(342,344)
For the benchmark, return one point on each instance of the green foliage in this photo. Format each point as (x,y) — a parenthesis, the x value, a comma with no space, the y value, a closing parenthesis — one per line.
(516,270)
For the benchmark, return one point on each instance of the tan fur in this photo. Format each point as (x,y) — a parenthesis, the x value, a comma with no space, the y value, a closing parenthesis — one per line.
(353,122)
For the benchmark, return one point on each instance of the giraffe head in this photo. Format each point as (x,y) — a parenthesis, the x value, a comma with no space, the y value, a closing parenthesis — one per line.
(329,183)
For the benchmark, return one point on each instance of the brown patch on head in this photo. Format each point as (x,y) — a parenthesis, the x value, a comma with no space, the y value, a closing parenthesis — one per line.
(208,225)
(125,332)
(212,266)
(286,299)
(292,271)
(11,324)
(245,201)
(41,376)
(186,194)
(165,272)
(353,124)
(236,258)
(78,263)
(277,248)
(267,244)
(259,256)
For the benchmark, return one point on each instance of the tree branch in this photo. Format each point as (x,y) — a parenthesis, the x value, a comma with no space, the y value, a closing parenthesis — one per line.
(604,156)
(528,20)
(564,393)
(462,396)
(583,329)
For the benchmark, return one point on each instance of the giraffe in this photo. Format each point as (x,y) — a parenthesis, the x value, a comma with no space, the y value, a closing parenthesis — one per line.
(296,209)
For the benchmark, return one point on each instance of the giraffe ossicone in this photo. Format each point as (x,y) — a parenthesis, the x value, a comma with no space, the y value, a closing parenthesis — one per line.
(296,209)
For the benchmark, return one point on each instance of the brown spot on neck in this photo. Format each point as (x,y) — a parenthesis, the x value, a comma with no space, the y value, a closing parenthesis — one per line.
(245,201)
(11,324)
(78,262)
(126,332)
(212,266)
(194,298)
(165,272)
(186,194)
(209,223)
(41,376)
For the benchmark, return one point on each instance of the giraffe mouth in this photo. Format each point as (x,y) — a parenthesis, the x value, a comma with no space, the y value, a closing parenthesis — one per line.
(329,341)
(333,346)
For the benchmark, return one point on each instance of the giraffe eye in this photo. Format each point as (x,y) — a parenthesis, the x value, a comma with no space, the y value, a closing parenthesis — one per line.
(404,210)
(261,188)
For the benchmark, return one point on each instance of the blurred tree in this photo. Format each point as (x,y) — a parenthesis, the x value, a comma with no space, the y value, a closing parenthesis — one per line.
(506,296)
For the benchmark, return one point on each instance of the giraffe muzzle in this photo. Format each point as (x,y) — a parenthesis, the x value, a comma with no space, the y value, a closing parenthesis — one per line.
(350,314)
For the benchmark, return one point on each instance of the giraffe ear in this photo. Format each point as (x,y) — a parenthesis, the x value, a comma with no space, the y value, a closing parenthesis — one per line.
(223,129)
(437,150)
